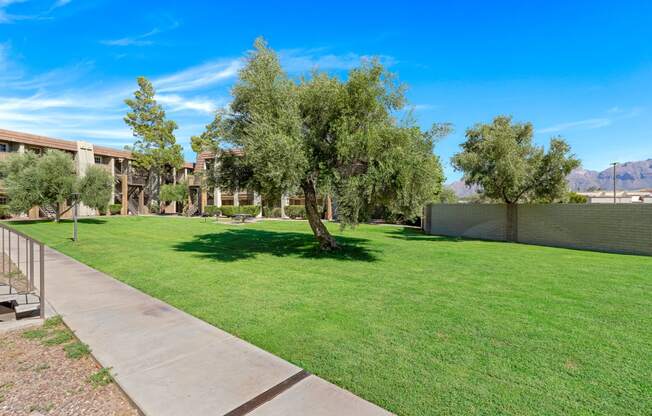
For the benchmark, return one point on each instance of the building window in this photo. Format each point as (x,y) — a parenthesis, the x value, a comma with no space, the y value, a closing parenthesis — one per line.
(98,159)
(4,147)
(3,200)
(35,150)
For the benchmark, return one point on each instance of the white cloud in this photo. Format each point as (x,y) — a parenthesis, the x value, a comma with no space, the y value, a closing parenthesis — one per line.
(178,103)
(616,114)
(588,124)
(201,76)
(6,17)
(69,103)
(60,3)
(142,39)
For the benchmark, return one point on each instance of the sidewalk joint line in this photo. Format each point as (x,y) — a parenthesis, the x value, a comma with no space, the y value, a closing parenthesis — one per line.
(268,395)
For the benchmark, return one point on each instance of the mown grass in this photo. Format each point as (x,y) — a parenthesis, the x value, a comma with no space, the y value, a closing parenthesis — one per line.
(418,324)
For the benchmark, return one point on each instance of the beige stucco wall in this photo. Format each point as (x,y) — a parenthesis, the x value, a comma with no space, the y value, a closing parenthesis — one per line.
(84,158)
(619,228)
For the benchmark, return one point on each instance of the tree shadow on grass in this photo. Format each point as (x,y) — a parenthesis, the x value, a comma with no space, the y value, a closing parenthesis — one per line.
(415,234)
(241,244)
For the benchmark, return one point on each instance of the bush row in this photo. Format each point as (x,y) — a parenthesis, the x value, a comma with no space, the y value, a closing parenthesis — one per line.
(115,209)
(230,210)
(295,211)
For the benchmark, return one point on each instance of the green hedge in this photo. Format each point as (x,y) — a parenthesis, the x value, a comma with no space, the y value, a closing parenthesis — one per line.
(115,209)
(295,211)
(4,211)
(212,211)
(230,210)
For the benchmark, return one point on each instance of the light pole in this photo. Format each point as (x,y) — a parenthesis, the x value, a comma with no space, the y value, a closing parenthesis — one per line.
(75,201)
(614,177)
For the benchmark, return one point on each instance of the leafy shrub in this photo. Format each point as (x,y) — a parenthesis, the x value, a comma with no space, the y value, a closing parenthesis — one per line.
(230,210)
(4,211)
(295,211)
(272,212)
(575,198)
(252,210)
(212,211)
(154,207)
(115,209)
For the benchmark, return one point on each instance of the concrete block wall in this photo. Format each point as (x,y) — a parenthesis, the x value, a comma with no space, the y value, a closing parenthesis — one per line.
(618,228)
(484,221)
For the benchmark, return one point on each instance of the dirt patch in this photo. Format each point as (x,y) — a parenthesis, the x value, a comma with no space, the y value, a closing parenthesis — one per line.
(43,371)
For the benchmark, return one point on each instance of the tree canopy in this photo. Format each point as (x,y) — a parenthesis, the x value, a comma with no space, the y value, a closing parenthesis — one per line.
(177,192)
(50,181)
(324,135)
(155,149)
(502,160)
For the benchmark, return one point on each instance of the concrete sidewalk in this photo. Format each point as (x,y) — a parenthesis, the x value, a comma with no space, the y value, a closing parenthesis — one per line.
(170,363)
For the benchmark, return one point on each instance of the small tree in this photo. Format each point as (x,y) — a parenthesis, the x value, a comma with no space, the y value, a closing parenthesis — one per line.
(50,181)
(446,196)
(502,160)
(324,135)
(575,198)
(175,193)
(155,149)
(95,188)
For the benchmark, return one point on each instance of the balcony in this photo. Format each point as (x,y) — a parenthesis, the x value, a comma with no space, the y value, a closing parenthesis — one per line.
(132,178)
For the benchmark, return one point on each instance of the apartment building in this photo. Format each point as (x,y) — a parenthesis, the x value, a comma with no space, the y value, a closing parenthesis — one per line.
(219,197)
(130,183)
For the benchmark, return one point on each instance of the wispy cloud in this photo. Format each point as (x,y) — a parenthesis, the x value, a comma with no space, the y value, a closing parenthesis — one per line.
(69,103)
(201,76)
(615,114)
(587,124)
(142,39)
(6,17)
(177,103)
(60,3)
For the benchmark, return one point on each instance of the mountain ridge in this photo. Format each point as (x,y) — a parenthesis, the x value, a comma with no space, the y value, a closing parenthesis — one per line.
(633,175)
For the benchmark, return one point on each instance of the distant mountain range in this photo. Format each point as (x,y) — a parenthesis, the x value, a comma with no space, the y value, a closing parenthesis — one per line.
(629,176)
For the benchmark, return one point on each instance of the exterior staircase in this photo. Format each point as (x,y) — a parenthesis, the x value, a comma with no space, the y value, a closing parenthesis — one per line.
(15,305)
(48,212)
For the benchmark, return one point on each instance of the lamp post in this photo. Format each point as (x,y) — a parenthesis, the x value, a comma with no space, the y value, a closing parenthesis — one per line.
(75,201)
(614,177)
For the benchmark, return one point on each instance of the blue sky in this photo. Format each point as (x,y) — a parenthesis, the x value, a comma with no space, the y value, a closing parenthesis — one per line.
(581,69)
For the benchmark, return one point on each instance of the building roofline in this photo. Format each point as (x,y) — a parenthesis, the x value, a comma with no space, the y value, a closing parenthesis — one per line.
(69,145)
(36,140)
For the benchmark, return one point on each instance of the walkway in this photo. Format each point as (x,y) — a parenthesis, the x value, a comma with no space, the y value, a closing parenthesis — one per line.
(171,363)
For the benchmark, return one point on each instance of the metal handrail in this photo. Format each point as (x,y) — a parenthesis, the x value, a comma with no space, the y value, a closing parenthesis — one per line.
(6,243)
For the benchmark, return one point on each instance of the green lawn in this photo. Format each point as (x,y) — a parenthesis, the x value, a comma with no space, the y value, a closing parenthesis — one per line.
(420,325)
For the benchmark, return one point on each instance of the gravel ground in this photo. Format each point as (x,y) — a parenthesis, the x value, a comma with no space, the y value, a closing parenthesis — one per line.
(39,379)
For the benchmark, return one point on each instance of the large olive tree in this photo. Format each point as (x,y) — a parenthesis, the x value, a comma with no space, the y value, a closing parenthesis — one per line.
(502,160)
(321,134)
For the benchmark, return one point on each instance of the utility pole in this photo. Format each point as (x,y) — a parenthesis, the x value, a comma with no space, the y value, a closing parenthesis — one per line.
(614,177)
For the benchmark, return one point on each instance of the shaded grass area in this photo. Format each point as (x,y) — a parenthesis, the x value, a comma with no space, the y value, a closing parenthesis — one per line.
(418,324)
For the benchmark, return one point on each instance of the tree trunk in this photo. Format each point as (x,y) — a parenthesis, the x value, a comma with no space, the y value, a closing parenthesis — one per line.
(57,212)
(326,240)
